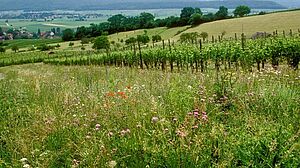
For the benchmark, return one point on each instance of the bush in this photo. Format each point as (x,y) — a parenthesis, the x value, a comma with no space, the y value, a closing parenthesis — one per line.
(2,49)
(71,44)
(45,47)
(156,38)
(15,48)
(262,13)
(101,42)
(68,35)
(31,49)
(143,38)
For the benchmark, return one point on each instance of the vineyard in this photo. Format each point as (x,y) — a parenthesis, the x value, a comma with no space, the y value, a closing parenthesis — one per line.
(196,56)
(228,54)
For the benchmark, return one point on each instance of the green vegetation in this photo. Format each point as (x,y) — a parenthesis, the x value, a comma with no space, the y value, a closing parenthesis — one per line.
(89,116)
(242,54)
(248,25)
(143,38)
(14,48)
(156,38)
(187,13)
(189,37)
(33,26)
(165,33)
(45,47)
(222,13)
(101,42)
(2,49)
(127,108)
(241,11)
(26,43)
(121,23)
(68,35)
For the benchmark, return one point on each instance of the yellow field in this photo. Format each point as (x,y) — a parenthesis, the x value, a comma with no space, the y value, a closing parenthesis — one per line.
(250,25)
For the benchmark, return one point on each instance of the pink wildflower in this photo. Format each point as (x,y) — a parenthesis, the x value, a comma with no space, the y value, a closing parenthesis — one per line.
(196,113)
(204,116)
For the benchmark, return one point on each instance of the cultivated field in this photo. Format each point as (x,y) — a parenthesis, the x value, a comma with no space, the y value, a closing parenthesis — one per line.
(64,23)
(33,26)
(250,25)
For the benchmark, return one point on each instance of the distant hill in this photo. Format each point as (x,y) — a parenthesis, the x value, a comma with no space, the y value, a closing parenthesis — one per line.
(130,4)
(289,3)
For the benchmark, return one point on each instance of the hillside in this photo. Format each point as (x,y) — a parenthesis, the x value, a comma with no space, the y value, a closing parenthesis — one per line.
(249,25)
(130,4)
(289,3)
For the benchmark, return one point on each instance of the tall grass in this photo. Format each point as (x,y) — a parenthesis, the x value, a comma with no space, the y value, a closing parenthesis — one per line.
(87,116)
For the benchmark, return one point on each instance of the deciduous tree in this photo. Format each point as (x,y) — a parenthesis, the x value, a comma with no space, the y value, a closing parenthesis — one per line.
(68,35)
(241,11)
(101,42)
(222,13)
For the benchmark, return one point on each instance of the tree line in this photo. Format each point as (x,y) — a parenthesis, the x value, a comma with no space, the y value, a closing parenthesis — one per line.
(120,23)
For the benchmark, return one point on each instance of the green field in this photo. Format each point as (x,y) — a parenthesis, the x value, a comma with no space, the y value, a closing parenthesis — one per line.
(33,26)
(64,23)
(27,43)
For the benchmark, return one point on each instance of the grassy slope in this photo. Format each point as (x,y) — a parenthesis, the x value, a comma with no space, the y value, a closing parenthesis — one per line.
(164,32)
(249,25)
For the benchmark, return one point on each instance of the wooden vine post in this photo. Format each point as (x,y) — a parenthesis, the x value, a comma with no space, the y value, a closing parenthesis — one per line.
(243,41)
(201,60)
(171,59)
(141,59)
(163,61)
(134,52)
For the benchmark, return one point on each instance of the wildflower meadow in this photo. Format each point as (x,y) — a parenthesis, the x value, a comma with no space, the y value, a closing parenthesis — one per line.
(90,116)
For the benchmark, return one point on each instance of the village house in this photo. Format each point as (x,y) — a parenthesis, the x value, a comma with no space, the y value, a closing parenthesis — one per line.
(2,38)
(47,35)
